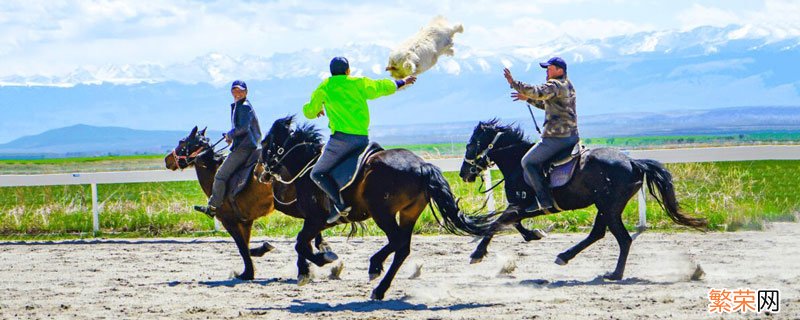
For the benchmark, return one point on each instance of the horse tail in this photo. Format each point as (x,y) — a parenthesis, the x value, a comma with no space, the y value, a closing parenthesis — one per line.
(658,178)
(438,190)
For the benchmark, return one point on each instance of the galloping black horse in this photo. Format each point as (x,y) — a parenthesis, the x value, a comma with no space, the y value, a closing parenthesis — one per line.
(604,177)
(394,188)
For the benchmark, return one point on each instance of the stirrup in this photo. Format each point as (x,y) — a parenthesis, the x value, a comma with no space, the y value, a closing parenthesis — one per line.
(336,213)
(537,206)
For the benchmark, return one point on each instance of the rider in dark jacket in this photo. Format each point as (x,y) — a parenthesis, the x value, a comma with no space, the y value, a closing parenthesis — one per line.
(243,138)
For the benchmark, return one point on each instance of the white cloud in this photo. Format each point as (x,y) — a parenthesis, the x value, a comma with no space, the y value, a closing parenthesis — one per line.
(59,37)
(698,15)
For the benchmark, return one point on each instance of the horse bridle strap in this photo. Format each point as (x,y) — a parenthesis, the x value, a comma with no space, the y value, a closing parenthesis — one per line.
(301,173)
(483,153)
(191,158)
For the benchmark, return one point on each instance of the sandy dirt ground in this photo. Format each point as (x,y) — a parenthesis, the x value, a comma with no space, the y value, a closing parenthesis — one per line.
(184,278)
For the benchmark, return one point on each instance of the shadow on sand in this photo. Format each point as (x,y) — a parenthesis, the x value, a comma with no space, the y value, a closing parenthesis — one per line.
(301,306)
(598,281)
(233,282)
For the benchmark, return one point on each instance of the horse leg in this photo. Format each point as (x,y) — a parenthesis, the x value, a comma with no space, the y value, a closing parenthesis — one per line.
(597,233)
(504,219)
(240,232)
(481,251)
(321,244)
(376,261)
(624,240)
(402,243)
(262,250)
(528,235)
(305,252)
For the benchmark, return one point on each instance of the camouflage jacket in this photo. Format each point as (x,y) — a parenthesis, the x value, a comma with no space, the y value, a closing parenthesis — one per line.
(557,98)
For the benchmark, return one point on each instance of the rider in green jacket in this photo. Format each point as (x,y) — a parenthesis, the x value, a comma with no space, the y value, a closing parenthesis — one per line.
(343,99)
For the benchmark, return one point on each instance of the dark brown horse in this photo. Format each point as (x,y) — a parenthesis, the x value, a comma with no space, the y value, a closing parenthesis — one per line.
(256,201)
(604,177)
(395,187)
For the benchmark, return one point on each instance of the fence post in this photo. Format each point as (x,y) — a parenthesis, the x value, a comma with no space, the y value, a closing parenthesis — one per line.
(95,211)
(487,179)
(642,206)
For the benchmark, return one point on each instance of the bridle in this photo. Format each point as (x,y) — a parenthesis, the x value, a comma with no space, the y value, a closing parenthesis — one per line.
(192,157)
(481,162)
(272,162)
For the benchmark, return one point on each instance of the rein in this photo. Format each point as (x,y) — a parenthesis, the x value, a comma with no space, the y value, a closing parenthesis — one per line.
(301,173)
(534,119)
(490,189)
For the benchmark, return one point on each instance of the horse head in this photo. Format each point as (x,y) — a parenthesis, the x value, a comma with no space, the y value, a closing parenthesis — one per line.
(487,139)
(188,150)
(284,146)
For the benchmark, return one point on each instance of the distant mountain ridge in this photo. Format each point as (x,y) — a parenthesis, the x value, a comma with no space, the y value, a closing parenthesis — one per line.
(85,140)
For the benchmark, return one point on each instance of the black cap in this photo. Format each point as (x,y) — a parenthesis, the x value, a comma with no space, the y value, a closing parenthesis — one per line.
(556,61)
(339,66)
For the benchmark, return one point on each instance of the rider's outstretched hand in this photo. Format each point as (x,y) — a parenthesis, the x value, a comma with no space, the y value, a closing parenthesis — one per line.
(321,113)
(410,80)
(517,96)
(508,76)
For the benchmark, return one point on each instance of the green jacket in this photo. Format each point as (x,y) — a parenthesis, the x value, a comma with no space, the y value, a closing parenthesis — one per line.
(345,101)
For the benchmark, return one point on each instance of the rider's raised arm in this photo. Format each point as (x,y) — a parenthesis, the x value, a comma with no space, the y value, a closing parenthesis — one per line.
(373,89)
(312,109)
(544,91)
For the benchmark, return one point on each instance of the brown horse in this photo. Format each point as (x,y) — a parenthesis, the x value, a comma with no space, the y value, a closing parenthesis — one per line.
(394,188)
(256,201)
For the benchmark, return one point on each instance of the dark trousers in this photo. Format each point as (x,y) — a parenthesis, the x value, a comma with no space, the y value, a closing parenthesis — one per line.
(339,146)
(535,158)
(234,161)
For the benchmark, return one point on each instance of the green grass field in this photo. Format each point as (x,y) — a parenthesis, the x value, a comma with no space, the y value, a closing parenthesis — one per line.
(732,195)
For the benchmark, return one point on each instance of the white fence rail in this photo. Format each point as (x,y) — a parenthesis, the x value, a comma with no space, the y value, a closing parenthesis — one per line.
(745,153)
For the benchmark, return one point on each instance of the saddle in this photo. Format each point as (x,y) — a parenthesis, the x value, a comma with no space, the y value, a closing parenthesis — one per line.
(242,176)
(350,168)
(560,168)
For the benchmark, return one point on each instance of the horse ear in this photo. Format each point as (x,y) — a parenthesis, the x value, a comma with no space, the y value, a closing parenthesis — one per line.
(194,131)
(203,132)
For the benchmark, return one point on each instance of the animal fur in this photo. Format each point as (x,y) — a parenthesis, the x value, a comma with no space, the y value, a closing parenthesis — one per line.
(420,53)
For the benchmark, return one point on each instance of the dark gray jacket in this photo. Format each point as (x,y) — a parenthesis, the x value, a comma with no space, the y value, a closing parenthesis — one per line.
(246,132)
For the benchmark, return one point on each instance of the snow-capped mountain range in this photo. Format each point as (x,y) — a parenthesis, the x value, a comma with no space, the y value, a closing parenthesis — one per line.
(369,60)
(703,68)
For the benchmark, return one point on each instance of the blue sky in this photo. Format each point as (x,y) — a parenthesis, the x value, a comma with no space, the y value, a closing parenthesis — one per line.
(57,37)
(165,64)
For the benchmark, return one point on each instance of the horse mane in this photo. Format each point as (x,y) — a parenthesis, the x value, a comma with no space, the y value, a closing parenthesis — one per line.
(307,132)
(513,130)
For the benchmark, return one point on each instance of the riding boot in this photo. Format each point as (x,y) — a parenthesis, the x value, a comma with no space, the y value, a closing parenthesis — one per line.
(330,188)
(211,211)
(543,199)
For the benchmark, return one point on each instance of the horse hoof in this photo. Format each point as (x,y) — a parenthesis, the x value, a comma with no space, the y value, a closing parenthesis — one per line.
(303,279)
(324,247)
(243,276)
(330,257)
(560,262)
(612,276)
(373,276)
(376,295)
(540,233)
(475,260)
